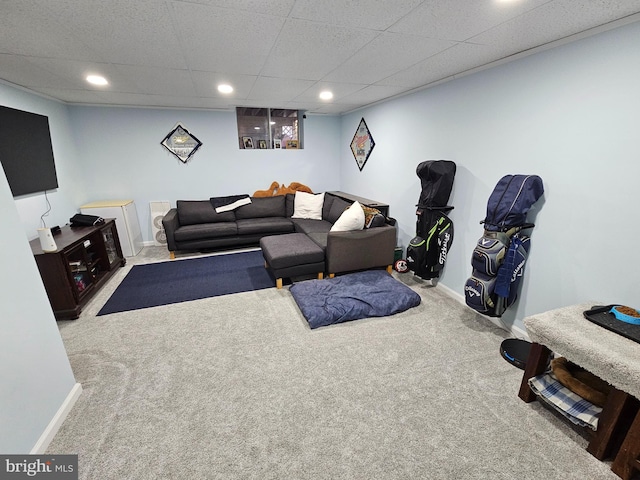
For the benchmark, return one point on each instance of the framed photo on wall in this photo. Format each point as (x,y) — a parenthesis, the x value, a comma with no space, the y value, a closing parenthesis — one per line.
(362,144)
(181,143)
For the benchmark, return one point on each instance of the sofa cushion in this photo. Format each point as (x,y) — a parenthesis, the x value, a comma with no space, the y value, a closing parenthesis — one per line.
(192,212)
(262,207)
(337,208)
(205,230)
(305,225)
(351,219)
(319,239)
(308,205)
(326,206)
(288,204)
(268,225)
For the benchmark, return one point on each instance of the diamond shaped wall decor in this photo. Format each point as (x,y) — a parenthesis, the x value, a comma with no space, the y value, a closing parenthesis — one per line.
(362,144)
(181,143)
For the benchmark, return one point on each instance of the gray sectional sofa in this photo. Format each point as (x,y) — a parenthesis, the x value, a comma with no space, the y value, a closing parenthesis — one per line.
(195,225)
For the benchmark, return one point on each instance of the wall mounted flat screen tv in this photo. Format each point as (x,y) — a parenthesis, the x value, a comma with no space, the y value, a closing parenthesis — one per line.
(25,152)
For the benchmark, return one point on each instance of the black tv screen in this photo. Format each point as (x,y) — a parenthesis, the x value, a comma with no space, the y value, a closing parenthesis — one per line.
(25,152)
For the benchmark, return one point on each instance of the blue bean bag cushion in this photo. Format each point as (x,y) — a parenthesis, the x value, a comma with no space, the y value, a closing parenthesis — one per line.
(372,293)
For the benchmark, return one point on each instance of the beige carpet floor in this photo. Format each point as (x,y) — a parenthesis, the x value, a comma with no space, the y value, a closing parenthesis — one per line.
(239,387)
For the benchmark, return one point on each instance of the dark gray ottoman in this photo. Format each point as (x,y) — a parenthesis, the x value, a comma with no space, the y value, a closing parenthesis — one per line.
(291,255)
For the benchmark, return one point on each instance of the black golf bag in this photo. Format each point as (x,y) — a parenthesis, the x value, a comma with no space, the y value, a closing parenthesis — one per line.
(427,251)
(499,257)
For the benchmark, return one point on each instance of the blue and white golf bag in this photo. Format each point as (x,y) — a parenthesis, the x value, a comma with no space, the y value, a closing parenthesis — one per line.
(500,255)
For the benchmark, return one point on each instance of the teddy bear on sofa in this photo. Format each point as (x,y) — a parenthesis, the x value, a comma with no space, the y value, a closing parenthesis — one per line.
(276,189)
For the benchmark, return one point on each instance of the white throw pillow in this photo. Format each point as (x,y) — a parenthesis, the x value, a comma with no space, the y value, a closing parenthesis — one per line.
(351,219)
(308,205)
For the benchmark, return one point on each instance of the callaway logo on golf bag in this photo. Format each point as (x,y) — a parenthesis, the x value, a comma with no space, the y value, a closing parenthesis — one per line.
(500,255)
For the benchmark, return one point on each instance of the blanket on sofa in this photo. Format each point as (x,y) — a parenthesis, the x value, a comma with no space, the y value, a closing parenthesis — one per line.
(372,293)
(226,204)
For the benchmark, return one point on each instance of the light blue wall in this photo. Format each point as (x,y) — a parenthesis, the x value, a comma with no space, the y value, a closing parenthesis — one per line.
(121,157)
(35,374)
(570,115)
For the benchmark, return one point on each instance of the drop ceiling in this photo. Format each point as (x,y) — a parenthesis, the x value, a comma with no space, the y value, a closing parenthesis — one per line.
(276,53)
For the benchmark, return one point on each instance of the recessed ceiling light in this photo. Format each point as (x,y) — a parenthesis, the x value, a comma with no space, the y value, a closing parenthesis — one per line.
(326,95)
(97,80)
(256,128)
(224,88)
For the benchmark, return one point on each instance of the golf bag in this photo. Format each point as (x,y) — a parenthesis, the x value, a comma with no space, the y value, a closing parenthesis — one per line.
(500,255)
(427,251)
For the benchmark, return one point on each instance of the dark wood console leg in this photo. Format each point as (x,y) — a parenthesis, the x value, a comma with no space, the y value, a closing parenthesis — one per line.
(617,414)
(536,364)
(627,461)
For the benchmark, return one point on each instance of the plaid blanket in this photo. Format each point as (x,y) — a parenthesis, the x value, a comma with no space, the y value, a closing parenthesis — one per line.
(575,408)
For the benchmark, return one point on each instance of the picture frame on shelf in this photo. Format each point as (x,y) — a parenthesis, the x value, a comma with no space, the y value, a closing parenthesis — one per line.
(292,144)
(247,142)
(277,143)
(262,144)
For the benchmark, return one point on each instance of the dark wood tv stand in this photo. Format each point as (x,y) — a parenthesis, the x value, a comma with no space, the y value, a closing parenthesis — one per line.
(86,258)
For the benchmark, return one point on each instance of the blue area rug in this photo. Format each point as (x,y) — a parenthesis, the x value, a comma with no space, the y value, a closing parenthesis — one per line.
(178,281)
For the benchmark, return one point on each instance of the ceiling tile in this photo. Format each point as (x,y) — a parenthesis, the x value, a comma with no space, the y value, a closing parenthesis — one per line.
(159,81)
(70,95)
(272,7)
(332,109)
(555,20)
(206,84)
(354,13)
(122,31)
(75,72)
(278,90)
(27,28)
(339,91)
(379,58)
(460,19)
(20,70)
(223,40)
(372,93)
(459,58)
(311,50)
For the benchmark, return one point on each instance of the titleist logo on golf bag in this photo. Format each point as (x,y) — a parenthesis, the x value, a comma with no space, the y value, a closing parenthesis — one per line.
(443,249)
(427,252)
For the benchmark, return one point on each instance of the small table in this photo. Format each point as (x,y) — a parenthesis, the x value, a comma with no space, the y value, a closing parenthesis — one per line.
(606,354)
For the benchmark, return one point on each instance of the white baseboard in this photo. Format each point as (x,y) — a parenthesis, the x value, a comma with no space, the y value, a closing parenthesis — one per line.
(515,331)
(56,422)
